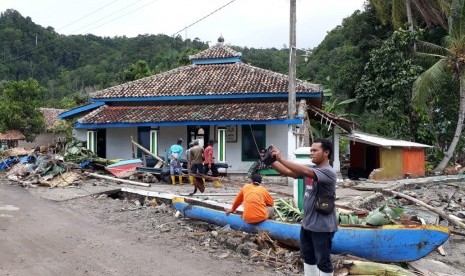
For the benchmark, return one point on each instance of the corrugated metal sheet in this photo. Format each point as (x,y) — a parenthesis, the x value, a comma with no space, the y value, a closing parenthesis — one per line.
(380,141)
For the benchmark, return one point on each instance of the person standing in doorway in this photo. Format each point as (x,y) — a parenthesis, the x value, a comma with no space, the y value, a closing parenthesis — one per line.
(174,155)
(209,163)
(318,228)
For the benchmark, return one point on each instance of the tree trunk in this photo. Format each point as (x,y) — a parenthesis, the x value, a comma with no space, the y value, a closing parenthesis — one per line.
(458,130)
(409,14)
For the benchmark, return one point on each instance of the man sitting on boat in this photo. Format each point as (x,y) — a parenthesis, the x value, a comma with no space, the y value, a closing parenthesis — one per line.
(258,203)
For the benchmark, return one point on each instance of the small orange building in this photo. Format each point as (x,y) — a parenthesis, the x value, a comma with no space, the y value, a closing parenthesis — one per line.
(381,158)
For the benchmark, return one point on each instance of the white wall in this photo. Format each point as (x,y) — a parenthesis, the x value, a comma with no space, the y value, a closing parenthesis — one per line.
(80,134)
(167,136)
(275,135)
(119,144)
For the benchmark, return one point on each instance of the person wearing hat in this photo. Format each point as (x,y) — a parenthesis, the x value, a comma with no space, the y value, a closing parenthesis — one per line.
(173,157)
(257,201)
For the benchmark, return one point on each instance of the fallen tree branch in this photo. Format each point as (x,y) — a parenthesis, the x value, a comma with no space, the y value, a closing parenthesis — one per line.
(117,179)
(429,207)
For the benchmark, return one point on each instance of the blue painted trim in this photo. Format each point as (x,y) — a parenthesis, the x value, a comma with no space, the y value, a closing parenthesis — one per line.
(216,60)
(300,95)
(188,123)
(80,109)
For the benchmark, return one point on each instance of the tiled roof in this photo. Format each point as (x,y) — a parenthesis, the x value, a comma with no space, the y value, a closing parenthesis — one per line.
(212,79)
(188,112)
(10,135)
(50,115)
(217,51)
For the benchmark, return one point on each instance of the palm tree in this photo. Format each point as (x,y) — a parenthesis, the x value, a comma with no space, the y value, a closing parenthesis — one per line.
(451,63)
(396,11)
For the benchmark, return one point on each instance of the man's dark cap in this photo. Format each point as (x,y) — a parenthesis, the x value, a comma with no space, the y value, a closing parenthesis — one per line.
(256,178)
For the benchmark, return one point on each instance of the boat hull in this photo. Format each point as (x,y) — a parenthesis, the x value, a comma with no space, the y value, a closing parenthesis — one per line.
(124,168)
(389,243)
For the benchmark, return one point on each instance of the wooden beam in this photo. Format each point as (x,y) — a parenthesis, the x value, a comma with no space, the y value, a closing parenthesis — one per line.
(147,151)
(117,179)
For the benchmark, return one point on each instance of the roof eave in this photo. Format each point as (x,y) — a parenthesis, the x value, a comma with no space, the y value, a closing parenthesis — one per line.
(76,111)
(300,95)
(187,123)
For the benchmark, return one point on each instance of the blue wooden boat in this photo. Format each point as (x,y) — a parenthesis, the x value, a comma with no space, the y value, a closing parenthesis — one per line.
(388,243)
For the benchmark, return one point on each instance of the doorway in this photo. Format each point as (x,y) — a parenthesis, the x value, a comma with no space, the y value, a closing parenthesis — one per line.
(201,133)
(102,143)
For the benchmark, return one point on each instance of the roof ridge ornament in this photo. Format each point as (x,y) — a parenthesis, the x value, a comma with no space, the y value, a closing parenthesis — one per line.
(221,40)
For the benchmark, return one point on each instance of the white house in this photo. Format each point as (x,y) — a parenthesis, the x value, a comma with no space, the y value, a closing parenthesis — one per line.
(244,108)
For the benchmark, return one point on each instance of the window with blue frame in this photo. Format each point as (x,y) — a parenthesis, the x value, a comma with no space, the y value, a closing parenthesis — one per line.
(253,140)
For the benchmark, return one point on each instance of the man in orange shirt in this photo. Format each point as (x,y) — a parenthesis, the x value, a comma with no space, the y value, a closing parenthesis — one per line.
(258,203)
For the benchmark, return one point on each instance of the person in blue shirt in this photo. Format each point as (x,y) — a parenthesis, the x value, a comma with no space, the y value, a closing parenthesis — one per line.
(173,156)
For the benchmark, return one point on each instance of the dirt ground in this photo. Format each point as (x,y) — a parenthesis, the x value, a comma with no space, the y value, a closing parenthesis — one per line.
(157,225)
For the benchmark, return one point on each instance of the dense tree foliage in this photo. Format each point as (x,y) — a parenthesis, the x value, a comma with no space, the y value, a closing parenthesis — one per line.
(417,13)
(450,66)
(137,71)
(386,86)
(338,61)
(19,107)
(66,65)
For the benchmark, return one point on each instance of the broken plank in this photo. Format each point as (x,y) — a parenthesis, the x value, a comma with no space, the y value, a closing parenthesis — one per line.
(214,194)
(117,179)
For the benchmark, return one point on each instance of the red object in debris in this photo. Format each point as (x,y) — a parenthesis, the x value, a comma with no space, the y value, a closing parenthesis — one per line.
(124,168)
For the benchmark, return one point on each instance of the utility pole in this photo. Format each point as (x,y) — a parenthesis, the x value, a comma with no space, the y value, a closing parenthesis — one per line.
(292,57)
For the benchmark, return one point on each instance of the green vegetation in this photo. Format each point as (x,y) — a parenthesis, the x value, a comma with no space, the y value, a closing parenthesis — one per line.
(69,67)
(19,107)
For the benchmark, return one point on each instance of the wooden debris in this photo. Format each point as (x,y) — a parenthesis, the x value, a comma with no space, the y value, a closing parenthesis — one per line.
(441,250)
(215,194)
(147,151)
(61,180)
(431,208)
(117,179)
(433,268)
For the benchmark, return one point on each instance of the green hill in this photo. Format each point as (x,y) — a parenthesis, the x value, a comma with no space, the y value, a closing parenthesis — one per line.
(72,66)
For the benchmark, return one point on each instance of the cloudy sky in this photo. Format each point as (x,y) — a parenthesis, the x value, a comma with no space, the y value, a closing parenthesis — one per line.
(251,23)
